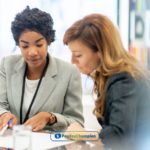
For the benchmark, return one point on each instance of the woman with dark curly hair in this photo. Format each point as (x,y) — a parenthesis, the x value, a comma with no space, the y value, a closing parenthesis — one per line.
(35,88)
(121,82)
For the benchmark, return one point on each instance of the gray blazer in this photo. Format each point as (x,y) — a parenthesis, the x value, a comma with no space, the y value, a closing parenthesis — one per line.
(60,90)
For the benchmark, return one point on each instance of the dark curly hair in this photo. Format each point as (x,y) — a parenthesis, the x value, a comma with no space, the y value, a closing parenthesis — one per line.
(34,20)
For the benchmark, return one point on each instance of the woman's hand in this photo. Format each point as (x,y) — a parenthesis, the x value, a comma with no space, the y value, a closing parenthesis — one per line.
(7,117)
(75,127)
(39,121)
(94,145)
(76,132)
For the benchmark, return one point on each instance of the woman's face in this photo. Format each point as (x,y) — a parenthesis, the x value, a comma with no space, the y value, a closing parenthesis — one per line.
(83,57)
(33,48)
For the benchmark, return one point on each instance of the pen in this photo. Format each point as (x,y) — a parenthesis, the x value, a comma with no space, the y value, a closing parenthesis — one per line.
(5,128)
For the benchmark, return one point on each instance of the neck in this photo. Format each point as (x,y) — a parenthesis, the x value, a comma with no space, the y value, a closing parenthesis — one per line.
(35,73)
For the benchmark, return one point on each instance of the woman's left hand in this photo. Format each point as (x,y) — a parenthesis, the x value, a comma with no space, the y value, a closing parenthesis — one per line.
(75,127)
(76,132)
(39,121)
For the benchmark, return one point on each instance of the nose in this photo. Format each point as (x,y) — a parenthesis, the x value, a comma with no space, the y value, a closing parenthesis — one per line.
(73,60)
(33,51)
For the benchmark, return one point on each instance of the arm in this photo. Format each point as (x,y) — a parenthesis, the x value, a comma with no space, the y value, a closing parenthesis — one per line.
(5,114)
(121,103)
(73,109)
(4,106)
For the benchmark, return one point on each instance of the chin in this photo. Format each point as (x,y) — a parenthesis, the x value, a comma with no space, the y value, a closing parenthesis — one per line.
(35,65)
(84,72)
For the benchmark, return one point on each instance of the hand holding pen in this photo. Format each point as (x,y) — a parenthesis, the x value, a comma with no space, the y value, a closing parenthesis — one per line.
(7,120)
(5,127)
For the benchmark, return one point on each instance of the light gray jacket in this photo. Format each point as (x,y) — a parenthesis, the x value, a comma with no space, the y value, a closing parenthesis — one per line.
(60,90)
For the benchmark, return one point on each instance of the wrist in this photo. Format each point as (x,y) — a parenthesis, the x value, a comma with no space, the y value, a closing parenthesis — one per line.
(52,119)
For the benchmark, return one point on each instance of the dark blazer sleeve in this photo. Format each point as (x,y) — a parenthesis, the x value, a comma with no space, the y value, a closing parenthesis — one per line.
(121,103)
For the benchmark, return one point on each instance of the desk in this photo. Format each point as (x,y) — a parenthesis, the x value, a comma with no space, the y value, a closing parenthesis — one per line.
(42,141)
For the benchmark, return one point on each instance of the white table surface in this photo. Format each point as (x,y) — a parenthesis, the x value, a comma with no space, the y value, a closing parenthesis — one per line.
(40,141)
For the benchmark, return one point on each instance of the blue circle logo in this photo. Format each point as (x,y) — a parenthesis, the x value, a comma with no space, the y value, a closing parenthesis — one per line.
(58,136)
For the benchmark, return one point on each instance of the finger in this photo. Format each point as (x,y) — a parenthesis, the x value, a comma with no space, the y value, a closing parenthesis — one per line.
(1,126)
(36,128)
(6,120)
(13,122)
(1,123)
(3,118)
(28,122)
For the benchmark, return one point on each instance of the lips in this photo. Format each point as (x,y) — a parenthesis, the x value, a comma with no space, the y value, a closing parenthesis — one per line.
(34,61)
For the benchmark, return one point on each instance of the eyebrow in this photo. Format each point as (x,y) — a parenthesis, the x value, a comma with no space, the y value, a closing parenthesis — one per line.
(35,41)
(76,51)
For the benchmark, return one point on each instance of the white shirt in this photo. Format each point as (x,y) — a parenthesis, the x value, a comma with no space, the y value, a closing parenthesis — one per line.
(30,87)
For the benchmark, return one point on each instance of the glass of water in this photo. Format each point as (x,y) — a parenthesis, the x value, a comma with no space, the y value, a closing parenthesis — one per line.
(22,138)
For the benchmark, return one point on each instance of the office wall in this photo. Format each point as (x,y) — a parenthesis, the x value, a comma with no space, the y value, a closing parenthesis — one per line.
(64,13)
(139,33)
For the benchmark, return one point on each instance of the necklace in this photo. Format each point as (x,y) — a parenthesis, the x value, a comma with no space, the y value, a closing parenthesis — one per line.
(35,94)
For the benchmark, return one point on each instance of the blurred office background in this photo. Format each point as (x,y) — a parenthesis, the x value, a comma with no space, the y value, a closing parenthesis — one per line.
(132,17)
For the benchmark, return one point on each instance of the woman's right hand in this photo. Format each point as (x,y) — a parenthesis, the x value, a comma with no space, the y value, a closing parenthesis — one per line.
(75,127)
(7,117)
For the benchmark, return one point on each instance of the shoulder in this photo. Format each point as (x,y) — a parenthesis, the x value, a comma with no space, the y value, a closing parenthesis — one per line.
(124,86)
(120,78)
(121,84)
(10,60)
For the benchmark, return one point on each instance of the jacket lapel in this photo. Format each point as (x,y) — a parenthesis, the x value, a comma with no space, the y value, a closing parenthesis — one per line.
(47,86)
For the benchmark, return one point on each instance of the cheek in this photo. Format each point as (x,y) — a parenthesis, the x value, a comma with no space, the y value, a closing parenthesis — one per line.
(86,66)
(43,51)
(89,65)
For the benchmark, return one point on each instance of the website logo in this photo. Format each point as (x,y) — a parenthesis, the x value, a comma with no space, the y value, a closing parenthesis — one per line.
(57,135)
(75,135)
